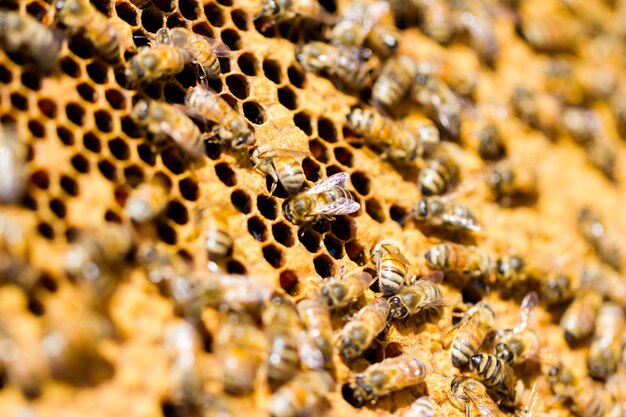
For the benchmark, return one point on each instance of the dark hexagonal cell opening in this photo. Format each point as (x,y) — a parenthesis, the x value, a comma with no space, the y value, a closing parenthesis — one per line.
(231,38)
(274,256)
(75,113)
(115,99)
(375,210)
(98,72)
(107,169)
(189,189)
(303,122)
(92,142)
(267,206)
(104,121)
(133,174)
(225,173)
(40,179)
(272,71)
(65,136)
(177,212)
(326,130)
(282,234)
(288,280)
(343,156)
(310,239)
(189,9)
(80,163)
(166,233)
(240,19)
(235,267)
(238,86)
(204,29)
(287,97)
(214,14)
(356,252)
(147,153)
(70,67)
(247,64)
(87,92)
(173,160)
(31,80)
(398,214)
(360,182)
(241,200)
(318,150)
(257,228)
(19,101)
(334,246)
(296,76)
(37,129)
(127,13)
(324,265)
(311,169)
(151,20)
(69,185)
(253,112)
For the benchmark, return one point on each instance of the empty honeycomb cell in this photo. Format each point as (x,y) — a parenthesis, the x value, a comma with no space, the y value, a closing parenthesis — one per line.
(75,113)
(104,121)
(282,234)
(375,210)
(151,20)
(104,7)
(247,64)
(272,71)
(31,80)
(35,307)
(257,228)
(398,214)
(146,153)
(187,77)
(70,67)
(204,29)
(344,228)
(189,9)
(326,130)
(175,94)
(253,112)
(238,86)
(226,174)
(92,142)
(127,13)
(65,135)
(98,72)
(80,163)
(288,280)
(177,213)
(239,18)
(231,38)
(214,14)
(324,265)
(172,159)
(361,182)
(166,233)
(69,185)
(48,282)
(18,58)
(235,267)
(139,39)
(130,128)
(112,217)
(58,208)
(154,90)
(40,179)
(165,6)
(356,252)
(29,202)
(333,169)
(310,239)
(303,122)
(35,9)
(287,97)
(107,169)
(296,76)
(241,201)
(45,230)
(87,92)
(343,156)
(273,255)
(19,101)
(116,99)
(311,169)
(5,75)
(47,107)
(133,175)
(226,3)
(267,206)
(80,46)
(175,21)
(189,189)
(318,150)
(334,246)
(36,129)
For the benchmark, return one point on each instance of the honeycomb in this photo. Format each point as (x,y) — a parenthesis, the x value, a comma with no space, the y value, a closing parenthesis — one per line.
(86,156)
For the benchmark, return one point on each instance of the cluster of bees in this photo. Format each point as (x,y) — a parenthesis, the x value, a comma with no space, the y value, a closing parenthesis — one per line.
(298,345)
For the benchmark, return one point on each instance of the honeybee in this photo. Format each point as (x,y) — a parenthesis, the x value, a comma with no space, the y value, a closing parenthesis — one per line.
(13,155)
(422,407)
(358,333)
(282,325)
(470,332)
(420,296)
(605,349)
(238,349)
(341,291)
(282,10)
(318,349)
(383,378)
(618,108)
(439,101)
(471,395)
(424,130)
(391,266)
(81,16)
(474,20)
(282,165)
(558,288)
(25,33)
(147,201)
(510,181)
(603,155)
(165,120)
(300,396)
(608,283)
(344,65)
(442,212)
(394,82)
(595,232)
(510,271)
(24,365)
(217,240)
(153,63)
(585,396)
(325,199)
(538,109)
(578,320)
(550,32)
(490,144)
(499,376)
(437,22)
(438,175)
(470,261)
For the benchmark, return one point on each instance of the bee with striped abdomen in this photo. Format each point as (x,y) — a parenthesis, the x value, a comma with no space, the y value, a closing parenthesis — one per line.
(595,233)
(277,11)
(557,288)
(394,82)
(499,376)
(439,101)
(284,166)
(422,407)
(471,396)
(360,332)
(147,201)
(13,171)
(422,295)
(584,396)
(470,333)
(317,350)
(511,181)
(301,395)
(606,346)
(341,291)
(579,318)
(391,266)
(468,261)
(442,212)
(438,175)
(424,130)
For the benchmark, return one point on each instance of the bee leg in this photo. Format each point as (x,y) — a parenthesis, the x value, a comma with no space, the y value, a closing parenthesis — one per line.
(274,185)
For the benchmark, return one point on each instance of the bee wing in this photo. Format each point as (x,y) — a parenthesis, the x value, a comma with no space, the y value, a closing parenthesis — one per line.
(483,409)
(325,184)
(464,222)
(528,303)
(219,48)
(278,152)
(534,400)
(341,206)
(434,277)
(396,252)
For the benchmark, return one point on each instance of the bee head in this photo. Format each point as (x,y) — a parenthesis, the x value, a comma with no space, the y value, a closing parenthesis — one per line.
(140,111)
(396,309)
(353,395)
(421,210)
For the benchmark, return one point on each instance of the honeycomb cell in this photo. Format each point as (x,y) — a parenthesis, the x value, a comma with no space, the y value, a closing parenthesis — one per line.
(166,233)
(165,6)
(127,13)
(104,7)
(267,207)
(172,159)
(119,149)
(36,129)
(204,29)
(115,98)
(107,169)
(75,113)
(247,64)
(226,174)
(189,9)
(241,200)
(303,122)
(130,128)
(296,76)
(253,112)
(273,255)
(112,217)
(231,38)
(92,142)
(80,163)
(40,179)
(227,3)
(257,228)
(334,246)
(104,121)
(98,72)
(189,189)
(398,214)
(311,169)
(48,283)
(146,153)
(45,230)
(47,107)
(80,47)
(214,14)
(139,39)
(356,252)
(332,170)
(272,71)
(375,210)
(238,86)
(174,93)
(265,26)
(87,92)
(177,213)
(31,80)
(133,175)
(35,9)
(343,156)
(69,185)
(288,280)
(235,267)
(34,306)
(58,208)
(65,135)
(318,150)
(287,97)
(324,265)
(282,234)
(175,21)
(326,130)
(151,20)
(240,19)
(361,182)
(19,101)
(310,239)
(5,75)
(187,77)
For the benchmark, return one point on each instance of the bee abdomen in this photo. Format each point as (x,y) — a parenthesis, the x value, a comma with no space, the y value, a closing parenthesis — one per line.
(436,176)
(461,352)
(292,177)
(488,367)
(218,243)
(283,361)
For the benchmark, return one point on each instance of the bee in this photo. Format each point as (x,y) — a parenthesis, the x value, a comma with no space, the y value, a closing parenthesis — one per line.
(474,20)
(424,130)
(439,101)
(585,396)
(490,144)
(558,288)
(391,266)
(358,333)
(437,20)
(550,32)
(511,271)
(341,291)
(80,16)
(13,154)
(25,33)
(471,395)
(579,319)
(510,181)
(165,120)
(595,233)
(608,283)
(383,378)
(282,10)
(282,324)
(470,332)
(420,296)
(438,175)
(361,25)
(618,109)
(422,407)
(344,65)
(538,109)
(238,349)
(325,199)
(318,349)
(602,155)
(441,212)
(153,63)
(465,260)
(605,349)
(300,396)
(217,240)
(394,82)
(282,165)
(147,202)
(498,375)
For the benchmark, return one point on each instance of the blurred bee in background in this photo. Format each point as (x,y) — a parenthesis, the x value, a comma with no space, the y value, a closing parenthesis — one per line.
(557,288)
(469,261)
(25,33)
(618,109)
(422,407)
(362,24)
(360,332)
(603,155)
(606,347)
(317,351)
(394,82)
(511,272)
(383,378)
(538,109)
(439,174)
(605,281)
(595,233)
(439,101)
(499,376)
(391,266)
(301,395)
(341,291)
(217,240)
(471,396)
(80,16)
(147,201)
(579,318)
(422,295)
(164,120)
(13,171)
(283,166)
(344,65)
(325,199)
(491,147)
(435,17)
(282,325)
(231,127)
(239,348)
(473,19)
(512,182)
(585,397)
(470,332)
(15,252)
(549,32)
(445,213)
(424,130)
(276,11)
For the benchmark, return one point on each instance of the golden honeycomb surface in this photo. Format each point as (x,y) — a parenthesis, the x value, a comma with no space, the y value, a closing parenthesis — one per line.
(86,156)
